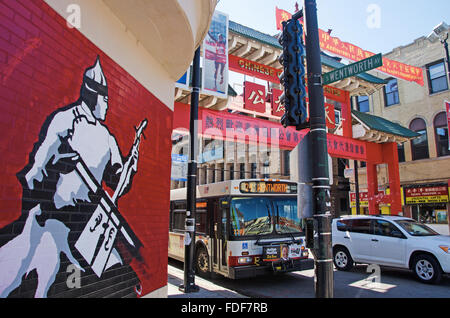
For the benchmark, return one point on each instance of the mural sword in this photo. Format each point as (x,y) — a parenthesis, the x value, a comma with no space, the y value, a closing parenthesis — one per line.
(106,222)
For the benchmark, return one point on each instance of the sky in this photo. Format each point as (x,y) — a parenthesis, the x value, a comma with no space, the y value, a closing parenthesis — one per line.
(377,26)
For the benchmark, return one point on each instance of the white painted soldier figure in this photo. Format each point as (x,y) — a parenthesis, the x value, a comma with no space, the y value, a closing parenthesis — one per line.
(63,205)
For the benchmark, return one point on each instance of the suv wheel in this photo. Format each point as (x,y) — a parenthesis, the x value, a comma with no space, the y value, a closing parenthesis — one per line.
(427,269)
(342,259)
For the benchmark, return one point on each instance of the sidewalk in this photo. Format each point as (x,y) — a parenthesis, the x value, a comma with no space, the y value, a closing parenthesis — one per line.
(207,289)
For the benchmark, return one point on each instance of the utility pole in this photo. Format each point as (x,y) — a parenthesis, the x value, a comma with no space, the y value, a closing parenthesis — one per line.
(189,238)
(324,282)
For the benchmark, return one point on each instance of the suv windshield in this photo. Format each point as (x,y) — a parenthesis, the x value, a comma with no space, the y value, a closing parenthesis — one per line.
(258,215)
(416,229)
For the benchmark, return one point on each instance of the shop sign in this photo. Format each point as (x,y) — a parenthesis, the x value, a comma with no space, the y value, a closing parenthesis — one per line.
(436,194)
(363,199)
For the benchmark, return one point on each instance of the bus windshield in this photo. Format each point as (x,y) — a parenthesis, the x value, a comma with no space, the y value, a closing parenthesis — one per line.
(287,220)
(264,215)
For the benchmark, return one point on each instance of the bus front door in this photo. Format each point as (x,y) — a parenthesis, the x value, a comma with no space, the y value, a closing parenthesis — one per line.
(220,239)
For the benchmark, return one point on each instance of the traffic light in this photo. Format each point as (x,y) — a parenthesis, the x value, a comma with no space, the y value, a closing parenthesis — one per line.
(293,76)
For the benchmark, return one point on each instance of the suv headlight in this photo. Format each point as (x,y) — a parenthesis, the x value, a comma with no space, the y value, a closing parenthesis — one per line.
(445,248)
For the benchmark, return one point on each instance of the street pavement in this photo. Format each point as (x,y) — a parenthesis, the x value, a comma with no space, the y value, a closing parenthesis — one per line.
(207,289)
(347,284)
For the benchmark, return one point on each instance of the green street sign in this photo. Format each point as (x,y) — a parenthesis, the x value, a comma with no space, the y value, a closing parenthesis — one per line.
(350,70)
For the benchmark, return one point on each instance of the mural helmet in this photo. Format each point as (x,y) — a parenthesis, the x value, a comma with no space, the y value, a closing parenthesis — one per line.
(94,84)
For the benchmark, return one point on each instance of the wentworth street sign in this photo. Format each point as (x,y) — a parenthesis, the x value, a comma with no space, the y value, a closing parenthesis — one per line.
(362,66)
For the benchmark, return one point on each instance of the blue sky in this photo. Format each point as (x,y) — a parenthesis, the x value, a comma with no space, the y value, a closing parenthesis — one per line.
(392,23)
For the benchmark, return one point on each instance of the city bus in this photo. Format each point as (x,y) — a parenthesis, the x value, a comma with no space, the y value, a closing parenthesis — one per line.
(244,228)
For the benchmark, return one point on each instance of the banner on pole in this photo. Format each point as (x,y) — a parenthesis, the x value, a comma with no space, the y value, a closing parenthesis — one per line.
(215,57)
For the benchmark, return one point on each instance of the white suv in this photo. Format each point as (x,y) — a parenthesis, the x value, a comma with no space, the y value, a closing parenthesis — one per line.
(391,241)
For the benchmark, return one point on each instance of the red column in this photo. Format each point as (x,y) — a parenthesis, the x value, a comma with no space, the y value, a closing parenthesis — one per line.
(347,116)
(372,188)
(390,154)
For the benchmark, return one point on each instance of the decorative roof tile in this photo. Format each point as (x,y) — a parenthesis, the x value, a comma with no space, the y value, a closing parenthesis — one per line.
(384,125)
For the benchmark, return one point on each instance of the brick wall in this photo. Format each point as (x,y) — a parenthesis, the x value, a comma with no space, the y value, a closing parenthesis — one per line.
(42,63)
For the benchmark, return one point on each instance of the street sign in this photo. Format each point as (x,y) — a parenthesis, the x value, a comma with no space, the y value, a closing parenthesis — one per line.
(362,66)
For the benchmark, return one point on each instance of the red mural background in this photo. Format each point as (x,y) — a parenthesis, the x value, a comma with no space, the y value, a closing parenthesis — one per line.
(42,62)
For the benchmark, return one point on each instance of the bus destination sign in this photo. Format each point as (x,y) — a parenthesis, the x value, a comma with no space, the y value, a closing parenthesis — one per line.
(267,187)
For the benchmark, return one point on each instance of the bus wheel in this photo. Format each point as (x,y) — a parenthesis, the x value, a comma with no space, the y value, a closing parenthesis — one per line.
(202,262)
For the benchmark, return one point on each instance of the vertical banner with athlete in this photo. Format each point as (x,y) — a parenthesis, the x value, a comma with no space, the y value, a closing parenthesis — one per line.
(215,57)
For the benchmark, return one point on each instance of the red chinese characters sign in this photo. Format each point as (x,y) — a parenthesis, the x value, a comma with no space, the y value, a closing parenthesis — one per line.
(352,52)
(330,116)
(276,106)
(233,127)
(281,15)
(254,97)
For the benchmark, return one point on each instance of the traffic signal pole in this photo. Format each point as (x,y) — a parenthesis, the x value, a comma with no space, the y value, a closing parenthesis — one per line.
(189,238)
(324,282)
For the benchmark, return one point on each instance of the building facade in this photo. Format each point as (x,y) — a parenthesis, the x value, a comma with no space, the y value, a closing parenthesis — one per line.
(254,55)
(424,161)
(87,99)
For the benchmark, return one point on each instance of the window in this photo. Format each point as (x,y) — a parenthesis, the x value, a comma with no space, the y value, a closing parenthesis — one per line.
(441,135)
(232,171)
(286,163)
(361,226)
(362,104)
(242,171)
(385,228)
(178,216)
(437,77)
(212,173)
(343,225)
(253,171)
(401,153)
(391,96)
(419,146)
(200,221)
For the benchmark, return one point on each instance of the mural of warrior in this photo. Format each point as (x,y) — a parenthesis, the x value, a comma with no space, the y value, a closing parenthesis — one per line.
(65,211)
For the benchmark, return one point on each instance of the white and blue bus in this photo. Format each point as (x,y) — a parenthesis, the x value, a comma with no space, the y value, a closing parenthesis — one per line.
(244,228)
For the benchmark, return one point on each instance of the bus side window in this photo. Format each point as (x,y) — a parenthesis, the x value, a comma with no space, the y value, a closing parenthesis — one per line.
(200,224)
(178,215)
(179,218)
